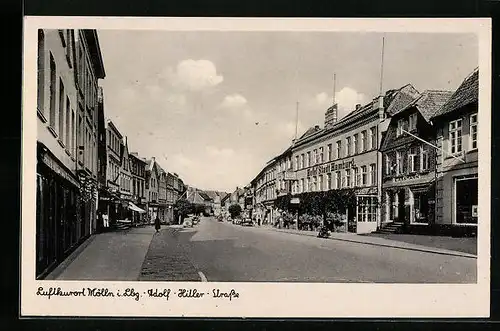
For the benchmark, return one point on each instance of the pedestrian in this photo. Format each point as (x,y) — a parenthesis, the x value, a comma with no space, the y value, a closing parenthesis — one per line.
(105,220)
(157,224)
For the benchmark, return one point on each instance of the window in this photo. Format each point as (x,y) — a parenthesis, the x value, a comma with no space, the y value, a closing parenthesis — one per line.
(348,146)
(314,184)
(357,177)
(413,159)
(308,160)
(348,177)
(364,175)
(41,71)
(355,147)
(61,110)
(339,149)
(424,158)
(306,187)
(338,177)
(329,181)
(321,155)
(320,183)
(73,129)
(301,188)
(68,124)
(68,49)
(364,142)
(296,163)
(53,83)
(373,174)
(455,136)
(473,131)
(330,152)
(63,37)
(388,164)
(412,122)
(399,163)
(402,125)
(314,157)
(373,138)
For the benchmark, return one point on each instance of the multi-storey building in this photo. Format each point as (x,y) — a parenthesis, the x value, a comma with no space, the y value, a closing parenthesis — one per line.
(152,188)
(113,172)
(102,159)
(138,183)
(456,126)
(162,194)
(88,69)
(67,162)
(125,182)
(345,155)
(408,179)
(264,188)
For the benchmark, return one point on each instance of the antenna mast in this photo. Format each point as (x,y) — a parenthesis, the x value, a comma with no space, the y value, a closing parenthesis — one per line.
(382,65)
(296,120)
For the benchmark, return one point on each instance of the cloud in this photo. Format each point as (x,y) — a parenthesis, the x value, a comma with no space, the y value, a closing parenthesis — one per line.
(287,129)
(346,98)
(194,75)
(233,101)
(219,152)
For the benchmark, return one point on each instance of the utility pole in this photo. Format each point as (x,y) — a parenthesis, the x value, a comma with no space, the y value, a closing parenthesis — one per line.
(334,90)
(382,66)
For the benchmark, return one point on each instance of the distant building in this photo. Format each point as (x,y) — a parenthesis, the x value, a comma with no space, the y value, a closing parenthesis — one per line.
(152,188)
(138,185)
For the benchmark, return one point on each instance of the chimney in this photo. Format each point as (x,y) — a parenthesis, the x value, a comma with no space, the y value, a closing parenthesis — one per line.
(358,106)
(380,106)
(316,127)
(331,116)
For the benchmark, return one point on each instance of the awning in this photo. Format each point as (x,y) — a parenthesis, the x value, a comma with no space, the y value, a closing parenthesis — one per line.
(133,207)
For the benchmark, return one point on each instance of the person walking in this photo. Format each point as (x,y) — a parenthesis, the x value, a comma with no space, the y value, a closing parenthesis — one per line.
(157,224)
(105,220)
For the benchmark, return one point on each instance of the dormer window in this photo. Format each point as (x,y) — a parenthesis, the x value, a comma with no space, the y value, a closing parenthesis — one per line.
(402,125)
(412,122)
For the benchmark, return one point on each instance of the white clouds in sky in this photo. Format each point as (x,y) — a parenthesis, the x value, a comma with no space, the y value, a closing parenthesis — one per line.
(346,98)
(194,75)
(233,101)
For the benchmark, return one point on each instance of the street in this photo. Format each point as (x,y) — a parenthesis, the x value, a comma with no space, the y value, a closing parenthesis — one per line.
(226,252)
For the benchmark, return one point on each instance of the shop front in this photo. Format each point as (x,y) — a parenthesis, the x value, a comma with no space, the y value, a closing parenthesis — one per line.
(60,227)
(410,200)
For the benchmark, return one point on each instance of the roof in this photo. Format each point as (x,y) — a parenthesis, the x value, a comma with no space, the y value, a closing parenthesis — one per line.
(466,94)
(113,127)
(204,196)
(312,130)
(428,103)
(95,52)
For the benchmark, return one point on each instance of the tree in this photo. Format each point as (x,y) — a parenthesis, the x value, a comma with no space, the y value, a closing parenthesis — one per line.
(183,208)
(235,210)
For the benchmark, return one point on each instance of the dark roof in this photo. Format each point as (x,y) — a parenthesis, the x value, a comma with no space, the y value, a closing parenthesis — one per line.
(204,196)
(312,130)
(396,100)
(466,94)
(428,103)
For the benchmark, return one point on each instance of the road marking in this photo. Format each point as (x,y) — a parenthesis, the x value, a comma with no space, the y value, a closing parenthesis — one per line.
(202,276)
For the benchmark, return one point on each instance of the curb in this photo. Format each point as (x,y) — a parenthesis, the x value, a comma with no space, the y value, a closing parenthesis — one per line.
(418,248)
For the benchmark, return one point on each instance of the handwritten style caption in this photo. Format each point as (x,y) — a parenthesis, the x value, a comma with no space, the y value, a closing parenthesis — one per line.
(155,293)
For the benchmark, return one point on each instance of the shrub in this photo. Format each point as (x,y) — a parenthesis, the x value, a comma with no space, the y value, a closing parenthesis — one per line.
(235,210)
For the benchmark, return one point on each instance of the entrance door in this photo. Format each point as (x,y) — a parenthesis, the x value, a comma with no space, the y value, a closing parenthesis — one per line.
(366,214)
(401,206)
(466,200)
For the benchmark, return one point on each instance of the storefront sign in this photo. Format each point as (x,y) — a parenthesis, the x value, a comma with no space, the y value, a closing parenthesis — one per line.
(406,177)
(330,167)
(52,164)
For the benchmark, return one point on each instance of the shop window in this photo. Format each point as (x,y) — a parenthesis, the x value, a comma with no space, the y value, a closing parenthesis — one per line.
(466,200)
(455,136)
(473,131)
(366,209)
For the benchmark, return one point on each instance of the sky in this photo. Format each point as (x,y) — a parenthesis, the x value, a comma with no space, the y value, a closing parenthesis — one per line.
(214,107)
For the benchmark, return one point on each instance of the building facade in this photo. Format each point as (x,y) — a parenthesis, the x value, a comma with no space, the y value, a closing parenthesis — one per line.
(456,126)
(138,185)
(67,165)
(409,167)
(162,194)
(152,188)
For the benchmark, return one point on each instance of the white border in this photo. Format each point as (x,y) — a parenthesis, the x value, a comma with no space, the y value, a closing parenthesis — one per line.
(262,299)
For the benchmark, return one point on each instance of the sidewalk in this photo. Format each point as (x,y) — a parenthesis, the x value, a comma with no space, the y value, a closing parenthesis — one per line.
(116,255)
(377,241)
